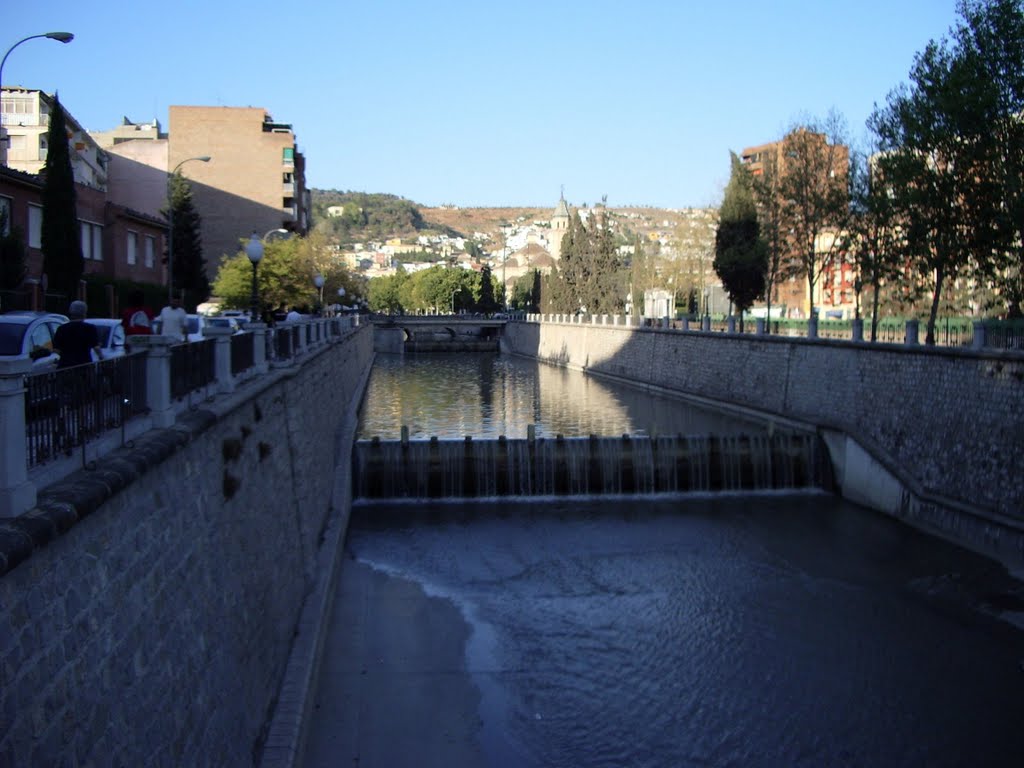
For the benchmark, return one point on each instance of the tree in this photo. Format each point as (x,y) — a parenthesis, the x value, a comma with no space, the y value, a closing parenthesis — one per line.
(943,161)
(768,199)
(876,239)
(740,258)
(12,255)
(189,266)
(384,293)
(588,274)
(486,303)
(526,292)
(814,195)
(61,233)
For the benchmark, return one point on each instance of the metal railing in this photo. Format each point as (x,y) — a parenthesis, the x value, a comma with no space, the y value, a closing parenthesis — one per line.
(191,367)
(243,353)
(65,409)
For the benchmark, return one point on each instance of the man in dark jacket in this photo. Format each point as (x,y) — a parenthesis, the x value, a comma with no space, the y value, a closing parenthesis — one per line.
(76,340)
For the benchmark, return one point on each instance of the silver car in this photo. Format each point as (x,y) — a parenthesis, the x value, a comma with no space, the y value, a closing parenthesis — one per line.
(29,336)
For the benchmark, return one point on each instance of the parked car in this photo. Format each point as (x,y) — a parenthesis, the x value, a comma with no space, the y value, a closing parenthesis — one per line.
(29,336)
(112,336)
(225,321)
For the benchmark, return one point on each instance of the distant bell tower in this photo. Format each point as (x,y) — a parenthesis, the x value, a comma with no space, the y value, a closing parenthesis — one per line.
(559,226)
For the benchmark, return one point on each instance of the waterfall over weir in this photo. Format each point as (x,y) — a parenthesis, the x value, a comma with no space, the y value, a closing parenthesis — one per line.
(578,466)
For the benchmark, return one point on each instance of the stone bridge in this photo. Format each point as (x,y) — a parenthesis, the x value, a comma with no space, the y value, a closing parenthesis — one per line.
(397,334)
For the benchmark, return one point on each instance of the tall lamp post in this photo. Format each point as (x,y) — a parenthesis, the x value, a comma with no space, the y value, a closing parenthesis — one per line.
(254,250)
(170,223)
(60,37)
(318,281)
(341,296)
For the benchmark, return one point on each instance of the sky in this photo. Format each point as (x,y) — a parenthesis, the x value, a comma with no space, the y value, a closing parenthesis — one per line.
(483,103)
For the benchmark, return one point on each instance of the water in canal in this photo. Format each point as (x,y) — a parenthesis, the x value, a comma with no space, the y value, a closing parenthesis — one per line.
(695,630)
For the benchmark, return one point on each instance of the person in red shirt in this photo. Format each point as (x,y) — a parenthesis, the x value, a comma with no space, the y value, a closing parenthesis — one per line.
(137,318)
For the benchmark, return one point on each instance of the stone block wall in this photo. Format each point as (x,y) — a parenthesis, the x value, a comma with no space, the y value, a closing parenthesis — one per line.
(951,419)
(150,619)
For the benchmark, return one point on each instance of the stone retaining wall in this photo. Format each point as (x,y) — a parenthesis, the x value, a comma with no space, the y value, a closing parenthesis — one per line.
(147,608)
(948,421)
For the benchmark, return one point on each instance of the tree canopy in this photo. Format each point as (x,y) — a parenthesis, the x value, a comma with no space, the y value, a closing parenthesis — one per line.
(188,264)
(953,152)
(740,255)
(61,233)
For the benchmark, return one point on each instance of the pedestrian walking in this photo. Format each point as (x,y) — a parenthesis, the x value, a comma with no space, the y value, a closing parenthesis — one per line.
(173,319)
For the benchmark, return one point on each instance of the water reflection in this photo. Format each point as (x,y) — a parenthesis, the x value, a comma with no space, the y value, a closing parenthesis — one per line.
(450,396)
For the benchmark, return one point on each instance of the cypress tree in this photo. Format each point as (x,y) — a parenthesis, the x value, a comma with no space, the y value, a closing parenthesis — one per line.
(189,265)
(740,256)
(61,232)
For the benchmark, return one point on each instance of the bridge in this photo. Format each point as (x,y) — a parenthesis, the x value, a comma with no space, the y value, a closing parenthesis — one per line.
(163,596)
(398,334)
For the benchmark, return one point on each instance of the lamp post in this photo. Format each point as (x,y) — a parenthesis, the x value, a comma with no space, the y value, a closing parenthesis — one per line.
(170,223)
(318,281)
(254,250)
(453,299)
(341,295)
(60,37)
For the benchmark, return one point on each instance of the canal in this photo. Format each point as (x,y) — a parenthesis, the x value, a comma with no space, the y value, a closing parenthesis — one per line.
(774,629)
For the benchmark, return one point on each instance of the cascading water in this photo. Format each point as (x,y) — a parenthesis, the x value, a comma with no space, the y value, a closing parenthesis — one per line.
(583,466)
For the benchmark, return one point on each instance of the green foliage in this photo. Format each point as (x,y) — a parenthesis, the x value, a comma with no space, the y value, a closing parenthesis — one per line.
(12,256)
(954,150)
(366,216)
(589,275)
(189,266)
(486,301)
(740,255)
(61,236)
(284,276)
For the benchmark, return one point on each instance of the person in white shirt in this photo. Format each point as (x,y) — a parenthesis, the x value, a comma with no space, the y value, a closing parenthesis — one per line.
(173,319)
(292,315)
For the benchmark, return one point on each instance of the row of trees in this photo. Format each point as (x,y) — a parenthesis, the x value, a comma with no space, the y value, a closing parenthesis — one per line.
(436,289)
(937,197)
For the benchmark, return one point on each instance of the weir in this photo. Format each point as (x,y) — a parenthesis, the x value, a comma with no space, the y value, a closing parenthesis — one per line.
(579,466)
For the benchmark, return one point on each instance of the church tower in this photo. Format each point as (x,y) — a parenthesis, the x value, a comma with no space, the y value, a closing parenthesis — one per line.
(559,226)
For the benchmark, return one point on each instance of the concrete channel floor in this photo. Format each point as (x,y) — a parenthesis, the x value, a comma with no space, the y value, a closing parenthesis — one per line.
(394,690)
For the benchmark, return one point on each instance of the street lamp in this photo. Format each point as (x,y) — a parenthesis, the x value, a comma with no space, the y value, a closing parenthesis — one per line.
(170,224)
(60,37)
(453,299)
(341,295)
(254,250)
(318,281)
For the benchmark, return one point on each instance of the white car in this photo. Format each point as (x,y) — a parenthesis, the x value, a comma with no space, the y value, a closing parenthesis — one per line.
(29,336)
(112,336)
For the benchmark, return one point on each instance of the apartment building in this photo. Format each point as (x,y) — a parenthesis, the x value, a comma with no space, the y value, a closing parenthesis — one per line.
(254,181)
(25,113)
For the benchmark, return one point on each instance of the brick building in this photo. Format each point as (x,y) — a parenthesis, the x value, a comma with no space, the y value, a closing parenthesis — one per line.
(254,181)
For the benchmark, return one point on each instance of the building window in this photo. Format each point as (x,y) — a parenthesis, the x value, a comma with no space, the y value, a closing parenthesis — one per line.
(35,226)
(92,241)
(150,245)
(133,243)
(5,216)
(42,147)
(288,155)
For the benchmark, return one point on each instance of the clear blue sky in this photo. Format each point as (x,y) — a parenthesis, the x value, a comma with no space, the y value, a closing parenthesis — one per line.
(481,103)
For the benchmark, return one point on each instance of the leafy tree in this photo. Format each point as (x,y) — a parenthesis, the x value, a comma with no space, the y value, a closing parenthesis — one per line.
(61,233)
(384,293)
(768,198)
(941,137)
(814,194)
(526,292)
(740,259)
(876,238)
(284,276)
(189,266)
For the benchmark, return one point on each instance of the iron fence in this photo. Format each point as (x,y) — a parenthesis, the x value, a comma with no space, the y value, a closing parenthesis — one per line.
(243,355)
(65,409)
(192,367)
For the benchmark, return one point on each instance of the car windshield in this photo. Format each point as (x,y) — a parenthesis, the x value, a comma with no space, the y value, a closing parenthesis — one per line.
(11,335)
(192,323)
